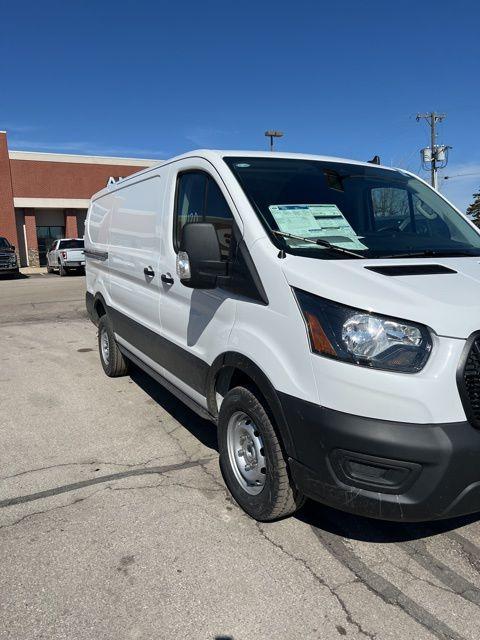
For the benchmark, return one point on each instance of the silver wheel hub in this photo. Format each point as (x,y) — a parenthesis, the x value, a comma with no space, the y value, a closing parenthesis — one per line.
(105,346)
(246,453)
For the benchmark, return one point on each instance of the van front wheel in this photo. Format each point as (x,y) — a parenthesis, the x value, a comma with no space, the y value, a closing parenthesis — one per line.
(113,362)
(251,458)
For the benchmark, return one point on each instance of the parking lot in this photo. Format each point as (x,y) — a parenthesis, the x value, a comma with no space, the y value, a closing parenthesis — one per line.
(115,523)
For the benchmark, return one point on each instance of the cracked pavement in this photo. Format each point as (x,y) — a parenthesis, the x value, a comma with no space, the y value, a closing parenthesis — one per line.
(115,522)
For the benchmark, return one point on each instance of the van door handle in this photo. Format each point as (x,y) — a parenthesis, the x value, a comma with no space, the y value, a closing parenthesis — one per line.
(166,278)
(149,272)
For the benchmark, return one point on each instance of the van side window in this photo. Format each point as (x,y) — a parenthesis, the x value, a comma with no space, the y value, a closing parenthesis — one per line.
(199,199)
(190,201)
(218,213)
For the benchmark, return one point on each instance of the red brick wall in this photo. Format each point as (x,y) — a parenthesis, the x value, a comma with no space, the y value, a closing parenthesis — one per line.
(71,230)
(8,226)
(41,179)
(47,179)
(31,233)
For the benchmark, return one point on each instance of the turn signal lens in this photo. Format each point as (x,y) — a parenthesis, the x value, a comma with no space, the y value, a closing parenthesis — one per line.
(318,338)
(183,266)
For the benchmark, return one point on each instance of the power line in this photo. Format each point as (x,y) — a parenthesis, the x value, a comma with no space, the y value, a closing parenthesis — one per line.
(460,175)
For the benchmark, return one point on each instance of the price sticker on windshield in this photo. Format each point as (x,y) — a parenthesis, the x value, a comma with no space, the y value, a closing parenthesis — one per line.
(324,221)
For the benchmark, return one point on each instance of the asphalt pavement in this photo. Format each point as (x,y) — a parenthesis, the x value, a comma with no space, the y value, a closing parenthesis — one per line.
(115,523)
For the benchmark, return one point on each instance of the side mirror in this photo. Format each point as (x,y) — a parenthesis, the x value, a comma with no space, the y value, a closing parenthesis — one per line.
(199,260)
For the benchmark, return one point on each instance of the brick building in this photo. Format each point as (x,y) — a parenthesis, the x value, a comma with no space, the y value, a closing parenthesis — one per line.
(44,196)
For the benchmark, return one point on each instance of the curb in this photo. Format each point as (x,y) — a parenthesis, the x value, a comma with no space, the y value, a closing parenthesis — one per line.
(30,271)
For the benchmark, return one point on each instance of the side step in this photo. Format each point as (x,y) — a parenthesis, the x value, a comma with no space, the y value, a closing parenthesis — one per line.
(191,404)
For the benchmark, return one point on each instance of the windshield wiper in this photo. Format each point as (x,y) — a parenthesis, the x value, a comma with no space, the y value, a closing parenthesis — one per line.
(431,253)
(319,241)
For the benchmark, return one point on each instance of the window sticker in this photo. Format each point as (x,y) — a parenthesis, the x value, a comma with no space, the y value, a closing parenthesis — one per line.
(324,221)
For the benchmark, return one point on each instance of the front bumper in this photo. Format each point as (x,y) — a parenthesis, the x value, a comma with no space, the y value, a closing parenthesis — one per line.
(384,469)
(9,268)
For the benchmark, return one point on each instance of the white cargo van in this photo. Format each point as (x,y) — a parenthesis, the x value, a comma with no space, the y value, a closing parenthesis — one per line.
(323,313)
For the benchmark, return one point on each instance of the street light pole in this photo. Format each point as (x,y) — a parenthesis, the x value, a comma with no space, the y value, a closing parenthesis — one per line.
(273,134)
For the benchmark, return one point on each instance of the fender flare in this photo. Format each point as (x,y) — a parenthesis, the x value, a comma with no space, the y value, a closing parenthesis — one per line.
(91,302)
(237,361)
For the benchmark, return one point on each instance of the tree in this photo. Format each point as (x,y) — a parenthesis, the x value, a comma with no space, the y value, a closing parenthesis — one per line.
(473,210)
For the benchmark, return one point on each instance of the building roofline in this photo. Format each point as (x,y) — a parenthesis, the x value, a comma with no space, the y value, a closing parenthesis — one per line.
(41,156)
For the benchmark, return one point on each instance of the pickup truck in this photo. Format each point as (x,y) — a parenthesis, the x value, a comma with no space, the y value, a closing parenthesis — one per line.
(66,255)
(8,257)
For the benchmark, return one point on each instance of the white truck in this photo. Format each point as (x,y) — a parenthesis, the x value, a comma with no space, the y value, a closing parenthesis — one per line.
(66,255)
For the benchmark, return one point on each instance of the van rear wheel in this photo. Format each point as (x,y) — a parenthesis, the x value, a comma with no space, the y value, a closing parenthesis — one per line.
(113,361)
(251,458)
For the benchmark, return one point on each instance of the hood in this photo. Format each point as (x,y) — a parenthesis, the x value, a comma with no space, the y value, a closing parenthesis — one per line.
(448,303)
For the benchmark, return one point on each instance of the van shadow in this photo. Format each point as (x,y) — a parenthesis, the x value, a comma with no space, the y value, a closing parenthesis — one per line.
(203,307)
(13,276)
(203,430)
(313,513)
(364,529)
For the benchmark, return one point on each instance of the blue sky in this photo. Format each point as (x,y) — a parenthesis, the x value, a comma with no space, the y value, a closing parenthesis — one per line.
(154,79)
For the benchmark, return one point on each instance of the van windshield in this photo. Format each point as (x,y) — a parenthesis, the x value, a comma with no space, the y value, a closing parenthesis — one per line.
(4,243)
(370,211)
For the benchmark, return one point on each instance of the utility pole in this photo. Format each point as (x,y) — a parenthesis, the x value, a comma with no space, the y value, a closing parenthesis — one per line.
(436,155)
(273,134)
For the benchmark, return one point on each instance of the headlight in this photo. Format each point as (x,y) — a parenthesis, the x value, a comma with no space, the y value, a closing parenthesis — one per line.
(364,338)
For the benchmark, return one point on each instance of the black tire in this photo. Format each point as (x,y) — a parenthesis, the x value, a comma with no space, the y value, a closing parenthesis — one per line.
(49,269)
(116,365)
(62,271)
(279,497)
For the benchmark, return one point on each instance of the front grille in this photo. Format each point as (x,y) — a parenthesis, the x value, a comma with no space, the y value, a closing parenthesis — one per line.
(6,257)
(469,380)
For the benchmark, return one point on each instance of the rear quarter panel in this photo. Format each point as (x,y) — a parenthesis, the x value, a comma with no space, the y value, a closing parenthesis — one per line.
(97,228)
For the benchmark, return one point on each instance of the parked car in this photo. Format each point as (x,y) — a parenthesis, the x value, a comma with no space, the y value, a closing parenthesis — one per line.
(66,255)
(8,257)
(323,313)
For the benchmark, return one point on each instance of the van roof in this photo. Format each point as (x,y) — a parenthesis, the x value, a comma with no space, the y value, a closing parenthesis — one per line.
(218,154)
